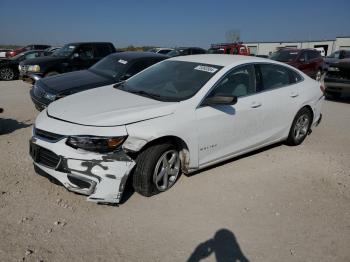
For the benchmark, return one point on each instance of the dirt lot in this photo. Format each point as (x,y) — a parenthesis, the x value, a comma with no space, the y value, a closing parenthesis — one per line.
(280,204)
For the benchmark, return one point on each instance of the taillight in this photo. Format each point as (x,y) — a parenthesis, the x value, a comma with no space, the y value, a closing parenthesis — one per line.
(322,88)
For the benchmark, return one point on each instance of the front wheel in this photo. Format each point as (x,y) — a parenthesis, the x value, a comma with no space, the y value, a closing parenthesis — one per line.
(157,169)
(7,74)
(300,127)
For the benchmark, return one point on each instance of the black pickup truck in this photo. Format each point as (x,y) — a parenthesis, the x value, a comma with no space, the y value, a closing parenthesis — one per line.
(71,57)
(337,79)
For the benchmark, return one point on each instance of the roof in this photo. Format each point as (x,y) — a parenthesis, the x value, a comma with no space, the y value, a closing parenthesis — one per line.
(131,55)
(219,59)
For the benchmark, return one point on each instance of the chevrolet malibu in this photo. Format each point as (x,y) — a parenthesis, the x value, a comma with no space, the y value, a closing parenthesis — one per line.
(177,116)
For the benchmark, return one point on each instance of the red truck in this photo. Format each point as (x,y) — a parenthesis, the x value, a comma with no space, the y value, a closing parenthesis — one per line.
(229,48)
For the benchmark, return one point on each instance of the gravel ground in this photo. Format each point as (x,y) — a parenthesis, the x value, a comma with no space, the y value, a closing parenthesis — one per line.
(279,204)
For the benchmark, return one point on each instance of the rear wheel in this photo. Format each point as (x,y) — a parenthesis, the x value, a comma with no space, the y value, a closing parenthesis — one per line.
(300,127)
(157,169)
(7,74)
(318,76)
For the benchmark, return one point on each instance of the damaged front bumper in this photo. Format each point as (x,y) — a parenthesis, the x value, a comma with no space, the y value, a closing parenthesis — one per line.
(102,177)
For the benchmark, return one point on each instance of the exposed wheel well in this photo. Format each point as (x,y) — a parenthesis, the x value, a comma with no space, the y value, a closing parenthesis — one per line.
(179,143)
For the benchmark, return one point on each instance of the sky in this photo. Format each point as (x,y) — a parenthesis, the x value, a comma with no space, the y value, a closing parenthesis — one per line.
(170,23)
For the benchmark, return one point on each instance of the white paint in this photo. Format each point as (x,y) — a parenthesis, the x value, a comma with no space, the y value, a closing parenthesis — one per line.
(211,135)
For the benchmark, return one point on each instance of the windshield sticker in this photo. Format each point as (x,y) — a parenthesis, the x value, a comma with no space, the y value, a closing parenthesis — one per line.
(122,61)
(208,69)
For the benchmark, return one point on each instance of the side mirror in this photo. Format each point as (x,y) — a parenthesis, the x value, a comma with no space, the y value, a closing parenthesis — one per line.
(220,100)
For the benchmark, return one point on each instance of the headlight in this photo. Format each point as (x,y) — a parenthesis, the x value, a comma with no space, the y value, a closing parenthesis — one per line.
(34,68)
(19,67)
(96,144)
(50,96)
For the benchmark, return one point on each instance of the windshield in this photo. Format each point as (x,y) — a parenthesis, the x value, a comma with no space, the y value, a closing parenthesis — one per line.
(65,51)
(112,66)
(177,52)
(284,56)
(171,80)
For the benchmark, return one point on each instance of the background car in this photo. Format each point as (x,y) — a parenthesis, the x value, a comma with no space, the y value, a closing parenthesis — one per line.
(161,50)
(9,68)
(229,48)
(180,51)
(3,52)
(71,57)
(52,49)
(337,56)
(112,69)
(180,115)
(308,61)
(17,51)
(337,79)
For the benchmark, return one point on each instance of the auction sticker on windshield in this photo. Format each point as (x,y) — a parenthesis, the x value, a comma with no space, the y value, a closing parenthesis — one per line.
(122,61)
(204,68)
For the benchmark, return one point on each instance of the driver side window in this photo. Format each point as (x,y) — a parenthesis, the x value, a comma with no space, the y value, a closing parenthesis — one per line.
(239,82)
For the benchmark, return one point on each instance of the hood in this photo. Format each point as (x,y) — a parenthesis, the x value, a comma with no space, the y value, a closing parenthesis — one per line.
(43,60)
(108,106)
(75,81)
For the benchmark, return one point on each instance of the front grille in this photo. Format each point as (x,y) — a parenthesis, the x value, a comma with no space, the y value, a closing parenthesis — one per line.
(24,68)
(48,136)
(47,158)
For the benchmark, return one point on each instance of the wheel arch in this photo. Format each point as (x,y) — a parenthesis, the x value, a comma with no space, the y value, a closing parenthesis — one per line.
(178,142)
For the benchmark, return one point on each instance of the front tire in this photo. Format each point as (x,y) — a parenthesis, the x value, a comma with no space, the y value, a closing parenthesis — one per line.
(7,74)
(157,169)
(300,127)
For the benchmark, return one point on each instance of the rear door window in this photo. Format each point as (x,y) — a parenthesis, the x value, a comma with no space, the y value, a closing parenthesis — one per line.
(274,76)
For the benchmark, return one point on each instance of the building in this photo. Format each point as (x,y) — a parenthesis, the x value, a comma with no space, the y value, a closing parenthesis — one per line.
(266,48)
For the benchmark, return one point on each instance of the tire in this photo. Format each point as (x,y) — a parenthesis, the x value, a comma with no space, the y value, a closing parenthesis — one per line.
(300,127)
(318,75)
(149,167)
(7,74)
(52,73)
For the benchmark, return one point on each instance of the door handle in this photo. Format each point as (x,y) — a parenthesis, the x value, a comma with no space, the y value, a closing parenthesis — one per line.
(255,104)
(294,94)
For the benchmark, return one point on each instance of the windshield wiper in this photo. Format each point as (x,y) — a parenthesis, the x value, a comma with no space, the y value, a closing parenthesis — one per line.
(144,93)
(119,84)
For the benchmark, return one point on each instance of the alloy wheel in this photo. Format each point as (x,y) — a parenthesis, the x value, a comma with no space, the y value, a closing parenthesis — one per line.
(167,170)
(6,73)
(301,127)
(318,75)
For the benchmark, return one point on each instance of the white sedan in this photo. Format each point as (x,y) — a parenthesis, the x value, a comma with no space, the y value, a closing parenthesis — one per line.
(177,116)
